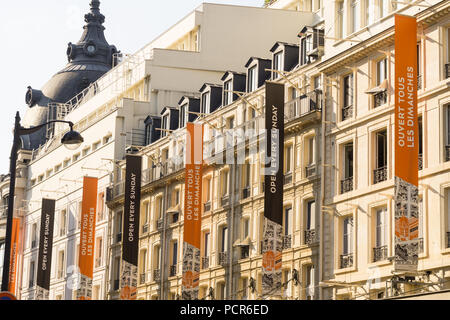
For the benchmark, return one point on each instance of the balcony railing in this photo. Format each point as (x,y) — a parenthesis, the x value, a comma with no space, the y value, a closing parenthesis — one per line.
(420,162)
(447,70)
(205,262)
(119,189)
(207,206)
(156,275)
(346,185)
(346,260)
(223,258)
(310,237)
(347,113)
(447,153)
(225,201)
(173,271)
(303,105)
(246,193)
(288,178)
(310,171)
(379,175)
(287,241)
(380,253)
(380,99)
(142,278)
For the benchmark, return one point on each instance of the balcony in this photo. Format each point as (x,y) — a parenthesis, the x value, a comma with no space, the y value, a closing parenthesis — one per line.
(346,260)
(310,171)
(156,275)
(303,106)
(347,113)
(119,237)
(109,194)
(380,253)
(225,201)
(159,224)
(447,70)
(223,258)
(145,228)
(205,262)
(287,178)
(379,175)
(173,271)
(142,278)
(346,185)
(287,241)
(246,193)
(310,237)
(420,162)
(379,99)
(119,189)
(207,206)
(447,153)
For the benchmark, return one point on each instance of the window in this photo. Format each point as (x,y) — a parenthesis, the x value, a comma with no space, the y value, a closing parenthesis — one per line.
(228,92)
(31,275)
(62,223)
(116,273)
(61,265)
(252,84)
(221,291)
(381,233)
(33,235)
(355,10)
(101,206)
(183,110)
(244,288)
(383,8)
(98,252)
(118,224)
(420,143)
(80,209)
(347,247)
(224,183)
(206,244)
(144,217)
(447,65)
(381,71)
(106,139)
(340,19)
(380,172)
(311,215)
(369,9)
(165,125)
(287,222)
(447,133)
(288,167)
(309,279)
(303,57)
(230,123)
(347,179)
(206,102)
(142,265)
(447,217)
(347,96)
(277,64)
(96,145)
(311,150)
(224,240)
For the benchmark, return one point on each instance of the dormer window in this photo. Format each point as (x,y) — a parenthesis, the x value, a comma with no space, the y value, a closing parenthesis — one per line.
(165,125)
(277,64)
(311,44)
(206,98)
(183,112)
(227,92)
(252,83)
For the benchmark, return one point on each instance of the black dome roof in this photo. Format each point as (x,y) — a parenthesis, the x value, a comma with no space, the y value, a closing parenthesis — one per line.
(89,59)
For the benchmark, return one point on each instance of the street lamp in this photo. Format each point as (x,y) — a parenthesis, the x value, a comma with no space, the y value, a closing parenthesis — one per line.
(72,140)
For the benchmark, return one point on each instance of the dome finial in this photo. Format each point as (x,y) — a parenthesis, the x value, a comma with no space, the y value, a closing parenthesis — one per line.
(94,15)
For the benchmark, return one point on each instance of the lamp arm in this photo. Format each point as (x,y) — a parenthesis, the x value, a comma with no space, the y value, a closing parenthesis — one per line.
(25,131)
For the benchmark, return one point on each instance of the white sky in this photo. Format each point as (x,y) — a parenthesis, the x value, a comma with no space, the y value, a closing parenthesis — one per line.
(34,37)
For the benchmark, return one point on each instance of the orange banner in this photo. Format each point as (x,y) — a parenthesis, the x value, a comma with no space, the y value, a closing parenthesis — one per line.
(406,122)
(192,211)
(87,237)
(406,145)
(14,254)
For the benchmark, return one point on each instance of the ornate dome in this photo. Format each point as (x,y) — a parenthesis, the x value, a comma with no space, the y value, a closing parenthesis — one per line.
(89,59)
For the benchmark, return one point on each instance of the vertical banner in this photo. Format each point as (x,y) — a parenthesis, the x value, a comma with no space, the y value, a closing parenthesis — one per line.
(87,238)
(130,242)
(273,184)
(406,145)
(45,249)
(14,253)
(192,211)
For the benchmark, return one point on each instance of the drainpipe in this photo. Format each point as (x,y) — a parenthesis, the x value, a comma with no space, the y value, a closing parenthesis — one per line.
(230,237)
(109,246)
(163,244)
(322,187)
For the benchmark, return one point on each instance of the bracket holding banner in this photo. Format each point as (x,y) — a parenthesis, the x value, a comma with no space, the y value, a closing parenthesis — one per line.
(243,98)
(203,117)
(284,76)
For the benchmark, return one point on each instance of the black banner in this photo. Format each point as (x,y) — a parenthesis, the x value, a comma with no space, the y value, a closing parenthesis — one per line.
(132,209)
(274,177)
(46,244)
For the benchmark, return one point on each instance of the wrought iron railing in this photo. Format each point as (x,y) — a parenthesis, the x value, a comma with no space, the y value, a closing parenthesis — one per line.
(303,105)
(287,241)
(288,178)
(346,260)
(142,278)
(419,82)
(225,201)
(145,228)
(346,185)
(310,237)
(347,113)
(173,271)
(159,224)
(310,171)
(207,206)
(379,175)
(421,245)
(223,258)
(156,275)
(205,262)
(447,153)
(118,237)
(380,99)
(380,253)
(448,239)
(246,193)
(421,161)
